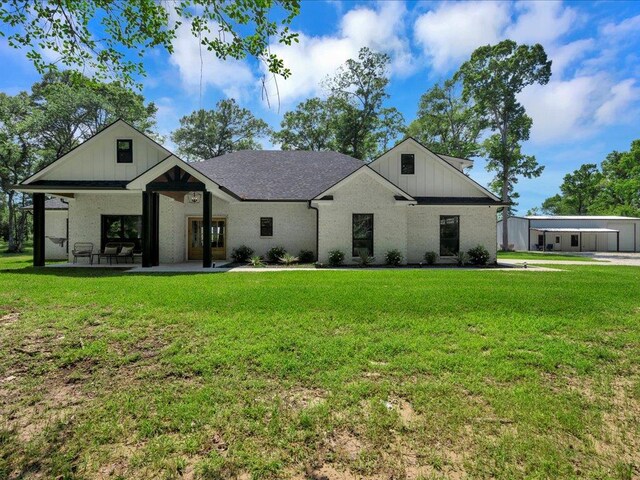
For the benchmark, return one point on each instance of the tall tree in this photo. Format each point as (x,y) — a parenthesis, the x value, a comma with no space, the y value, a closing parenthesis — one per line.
(112,37)
(492,78)
(308,127)
(17,161)
(446,122)
(357,93)
(208,133)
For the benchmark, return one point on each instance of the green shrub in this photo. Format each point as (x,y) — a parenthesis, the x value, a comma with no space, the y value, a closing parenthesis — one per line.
(256,261)
(462,259)
(274,254)
(393,257)
(364,259)
(306,256)
(478,255)
(430,258)
(288,259)
(336,257)
(242,254)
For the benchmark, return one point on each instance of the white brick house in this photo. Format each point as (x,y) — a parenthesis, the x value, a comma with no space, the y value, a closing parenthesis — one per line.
(120,185)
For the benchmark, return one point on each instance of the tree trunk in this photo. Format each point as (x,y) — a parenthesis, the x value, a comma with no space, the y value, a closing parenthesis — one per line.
(505,211)
(11,247)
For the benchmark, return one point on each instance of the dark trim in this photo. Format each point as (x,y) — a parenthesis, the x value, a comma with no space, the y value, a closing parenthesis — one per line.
(264,200)
(225,189)
(177,187)
(469,201)
(155,228)
(147,255)
(317,229)
(372,253)
(269,227)
(38,229)
(440,234)
(529,230)
(77,184)
(206,226)
(151,168)
(412,158)
(130,151)
(326,197)
(400,198)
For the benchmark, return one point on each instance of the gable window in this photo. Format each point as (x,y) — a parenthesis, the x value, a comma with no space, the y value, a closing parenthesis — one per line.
(407,164)
(362,234)
(574,240)
(449,235)
(122,228)
(124,151)
(266,226)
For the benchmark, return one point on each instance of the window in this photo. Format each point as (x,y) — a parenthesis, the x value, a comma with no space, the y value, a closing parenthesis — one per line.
(266,226)
(449,235)
(557,239)
(574,240)
(540,239)
(407,164)
(362,233)
(125,151)
(122,228)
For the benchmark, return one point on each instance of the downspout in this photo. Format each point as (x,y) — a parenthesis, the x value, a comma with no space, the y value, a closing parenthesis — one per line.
(317,230)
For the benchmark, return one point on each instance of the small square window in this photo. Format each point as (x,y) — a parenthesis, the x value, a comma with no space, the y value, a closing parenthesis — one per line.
(266,226)
(125,151)
(407,164)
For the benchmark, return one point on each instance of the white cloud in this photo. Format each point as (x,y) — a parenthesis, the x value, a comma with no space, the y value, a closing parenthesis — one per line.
(540,22)
(313,58)
(565,55)
(233,77)
(452,31)
(618,105)
(628,26)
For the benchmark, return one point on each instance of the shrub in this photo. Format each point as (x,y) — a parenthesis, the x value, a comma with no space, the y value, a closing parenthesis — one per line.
(478,255)
(462,259)
(306,256)
(336,257)
(241,254)
(256,261)
(393,257)
(364,260)
(430,257)
(288,259)
(274,254)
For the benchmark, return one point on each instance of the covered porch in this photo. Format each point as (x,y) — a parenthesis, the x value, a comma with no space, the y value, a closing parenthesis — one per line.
(573,239)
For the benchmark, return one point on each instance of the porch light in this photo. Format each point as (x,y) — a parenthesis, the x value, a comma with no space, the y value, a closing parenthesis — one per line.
(194,197)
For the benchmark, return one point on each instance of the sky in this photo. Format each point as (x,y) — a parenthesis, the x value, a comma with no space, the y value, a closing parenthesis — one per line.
(590,107)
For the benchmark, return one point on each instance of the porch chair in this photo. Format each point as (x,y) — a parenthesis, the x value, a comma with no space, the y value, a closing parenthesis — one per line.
(126,251)
(110,252)
(82,249)
(549,246)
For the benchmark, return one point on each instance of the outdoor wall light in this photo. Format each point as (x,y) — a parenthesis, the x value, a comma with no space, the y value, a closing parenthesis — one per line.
(194,197)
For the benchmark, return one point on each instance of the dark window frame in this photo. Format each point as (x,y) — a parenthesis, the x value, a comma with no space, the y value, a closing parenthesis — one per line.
(355,251)
(456,250)
(104,239)
(407,156)
(575,236)
(266,230)
(124,156)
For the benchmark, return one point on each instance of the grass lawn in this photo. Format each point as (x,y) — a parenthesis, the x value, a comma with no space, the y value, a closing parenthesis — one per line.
(542,256)
(369,374)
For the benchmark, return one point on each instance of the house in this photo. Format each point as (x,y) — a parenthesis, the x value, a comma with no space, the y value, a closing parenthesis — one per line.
(577,233)
(56,229)
(121,185)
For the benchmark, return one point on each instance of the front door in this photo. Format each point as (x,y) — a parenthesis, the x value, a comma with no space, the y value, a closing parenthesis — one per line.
(195,240)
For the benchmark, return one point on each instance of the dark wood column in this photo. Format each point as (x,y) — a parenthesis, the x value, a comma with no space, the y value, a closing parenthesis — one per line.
(38,229)
(146,230)
(155,228)
(206,226)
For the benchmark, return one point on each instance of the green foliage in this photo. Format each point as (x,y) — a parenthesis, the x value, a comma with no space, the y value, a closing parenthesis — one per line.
(430,257)
(206,134)
(364,259)
(308,127)
(275,253)
(462,259)
(112,38)
(241,254)
(446,122)
(478,255)
(256,261)
(306,256)
(393,257)
(288,259)
(336,258)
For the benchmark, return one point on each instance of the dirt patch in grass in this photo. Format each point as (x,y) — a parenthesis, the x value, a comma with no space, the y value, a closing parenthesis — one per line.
(299,398)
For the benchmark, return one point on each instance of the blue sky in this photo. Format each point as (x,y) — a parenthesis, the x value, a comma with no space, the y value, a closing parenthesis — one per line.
(590,107)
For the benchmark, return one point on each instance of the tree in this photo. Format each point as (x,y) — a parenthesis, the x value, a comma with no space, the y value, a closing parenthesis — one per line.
(111,38)
(447,123)
(308,127)
(206,134)
(357,94)
(16,161)
(580,189)
(492,78)
(72,108)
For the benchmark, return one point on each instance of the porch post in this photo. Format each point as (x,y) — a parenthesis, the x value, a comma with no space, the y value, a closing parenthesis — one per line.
(38,229)
(146,229)
(580,241)
(155,228)
(206,226)
(617,241)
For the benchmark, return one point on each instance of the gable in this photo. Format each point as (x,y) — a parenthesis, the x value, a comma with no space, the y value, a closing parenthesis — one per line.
(95,159)
(433,176)
(377,183)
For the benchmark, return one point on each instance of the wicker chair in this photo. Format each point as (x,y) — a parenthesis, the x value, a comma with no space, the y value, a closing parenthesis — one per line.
(82,249)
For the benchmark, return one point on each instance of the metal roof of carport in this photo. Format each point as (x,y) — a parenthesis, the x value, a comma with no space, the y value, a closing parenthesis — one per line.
(575,230)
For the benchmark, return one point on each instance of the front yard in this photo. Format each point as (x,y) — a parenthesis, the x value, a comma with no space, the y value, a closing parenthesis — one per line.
(341,375)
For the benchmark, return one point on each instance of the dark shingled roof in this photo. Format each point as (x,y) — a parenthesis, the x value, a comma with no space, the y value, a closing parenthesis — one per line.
(278,175)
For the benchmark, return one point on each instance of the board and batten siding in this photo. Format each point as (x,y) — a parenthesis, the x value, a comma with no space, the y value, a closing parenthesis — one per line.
(96,158)
(433,177)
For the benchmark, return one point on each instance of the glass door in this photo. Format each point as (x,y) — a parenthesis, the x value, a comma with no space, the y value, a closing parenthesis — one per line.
(196,238)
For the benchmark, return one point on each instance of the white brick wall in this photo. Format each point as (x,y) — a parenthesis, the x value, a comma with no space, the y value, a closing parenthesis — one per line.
(55,225)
